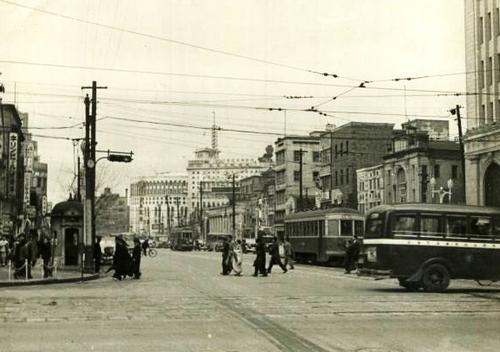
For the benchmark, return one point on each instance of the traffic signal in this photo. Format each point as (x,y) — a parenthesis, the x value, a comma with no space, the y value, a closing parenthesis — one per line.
(120,158)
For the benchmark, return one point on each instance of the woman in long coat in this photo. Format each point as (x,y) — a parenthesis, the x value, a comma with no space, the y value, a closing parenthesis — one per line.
(260,259)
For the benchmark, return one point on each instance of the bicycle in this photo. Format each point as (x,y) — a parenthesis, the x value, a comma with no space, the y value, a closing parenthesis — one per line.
(151,252)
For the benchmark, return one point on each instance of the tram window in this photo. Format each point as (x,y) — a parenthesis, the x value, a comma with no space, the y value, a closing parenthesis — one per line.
(480,226)
(430,225)
(358,227)
(333,228)
(321,227)
(346,228)
(456,225)
(403,223)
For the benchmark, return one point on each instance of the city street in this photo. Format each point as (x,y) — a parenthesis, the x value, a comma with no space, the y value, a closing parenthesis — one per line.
(182,303)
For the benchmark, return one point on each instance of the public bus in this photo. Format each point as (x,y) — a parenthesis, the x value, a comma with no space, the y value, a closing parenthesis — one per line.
(215,241)
(426,245)
(321,236)
(181,239)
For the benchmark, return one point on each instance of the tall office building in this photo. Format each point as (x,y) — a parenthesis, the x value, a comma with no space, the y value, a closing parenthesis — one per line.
(481,140)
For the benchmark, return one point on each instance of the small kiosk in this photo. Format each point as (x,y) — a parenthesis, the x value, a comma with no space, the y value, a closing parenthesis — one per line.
(67,229)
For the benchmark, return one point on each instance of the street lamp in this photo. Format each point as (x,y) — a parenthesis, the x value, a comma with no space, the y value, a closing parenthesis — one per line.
(441,192)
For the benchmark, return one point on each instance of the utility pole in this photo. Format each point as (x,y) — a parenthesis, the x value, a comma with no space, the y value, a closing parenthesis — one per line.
(90,163)
(234,209)
(178,213)
(201,211)
(461,142)
(168,214)
(300,181)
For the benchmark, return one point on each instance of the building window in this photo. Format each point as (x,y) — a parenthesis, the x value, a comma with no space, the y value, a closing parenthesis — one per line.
(480,30)
(489,72)
(336,151)
(336,179)
(481,74)
(296,156)
(346,147)
(341,177)
(454,171)
(490,113)
(488,27)
(346,176)
(296,176)
(316,157)
(436,171)
(482,115)
(341,149)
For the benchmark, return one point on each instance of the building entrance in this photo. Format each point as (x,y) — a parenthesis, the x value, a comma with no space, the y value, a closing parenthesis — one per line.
(71,246)
(492,186)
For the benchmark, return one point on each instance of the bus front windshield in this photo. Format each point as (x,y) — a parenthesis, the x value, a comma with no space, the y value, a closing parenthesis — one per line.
(374,225)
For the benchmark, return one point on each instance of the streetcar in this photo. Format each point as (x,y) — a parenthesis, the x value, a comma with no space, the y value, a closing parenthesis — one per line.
(427,245)
(321,236)
(181,239)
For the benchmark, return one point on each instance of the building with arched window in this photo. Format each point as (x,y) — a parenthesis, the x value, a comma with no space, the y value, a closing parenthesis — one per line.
(481,141)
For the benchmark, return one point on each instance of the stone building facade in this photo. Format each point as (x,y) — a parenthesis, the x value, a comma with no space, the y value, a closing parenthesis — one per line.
(345,149)
(289,174)
(158,203)
(481,140)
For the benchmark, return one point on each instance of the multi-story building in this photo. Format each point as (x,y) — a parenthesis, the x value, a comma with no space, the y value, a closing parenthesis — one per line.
(298,161)
(11,171)
(423,170)
(158,203)
(345,149)
(482,55)
(111,214)
(210,179)
(370,187)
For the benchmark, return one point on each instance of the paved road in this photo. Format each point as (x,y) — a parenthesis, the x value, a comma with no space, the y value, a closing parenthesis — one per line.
(182,303)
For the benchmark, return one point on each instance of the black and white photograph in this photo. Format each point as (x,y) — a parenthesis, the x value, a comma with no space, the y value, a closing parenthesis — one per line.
(249,175)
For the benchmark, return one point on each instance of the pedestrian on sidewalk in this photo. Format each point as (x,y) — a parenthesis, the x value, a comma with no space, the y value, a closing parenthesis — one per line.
(226,252)
(275,256)
(4,246)
(287,246)
(237,258)
(351,255)
(45,249)
(136,259)
(97,254)
(260,257)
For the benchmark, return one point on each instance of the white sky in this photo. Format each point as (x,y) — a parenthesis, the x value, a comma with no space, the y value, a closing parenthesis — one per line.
(171,65)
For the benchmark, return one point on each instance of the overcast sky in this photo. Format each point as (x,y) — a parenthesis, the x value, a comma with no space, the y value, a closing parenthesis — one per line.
(256,66)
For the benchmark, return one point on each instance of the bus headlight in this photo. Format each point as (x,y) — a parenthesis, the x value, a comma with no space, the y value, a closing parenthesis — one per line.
(371,254)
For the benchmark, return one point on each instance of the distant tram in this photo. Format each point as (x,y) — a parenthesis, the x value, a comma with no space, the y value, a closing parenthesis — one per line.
(320,236)
(181,239)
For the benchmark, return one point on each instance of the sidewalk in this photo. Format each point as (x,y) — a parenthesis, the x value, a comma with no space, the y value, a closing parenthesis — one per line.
(64,274)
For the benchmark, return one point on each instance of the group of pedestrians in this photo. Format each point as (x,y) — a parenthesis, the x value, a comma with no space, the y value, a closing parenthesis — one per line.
(281,253)
(125,264)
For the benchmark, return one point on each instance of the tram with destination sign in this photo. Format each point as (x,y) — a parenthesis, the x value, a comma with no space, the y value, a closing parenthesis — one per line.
(321,236)
(427,245)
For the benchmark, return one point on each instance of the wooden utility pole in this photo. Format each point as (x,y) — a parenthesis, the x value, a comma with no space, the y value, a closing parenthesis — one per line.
(462,149)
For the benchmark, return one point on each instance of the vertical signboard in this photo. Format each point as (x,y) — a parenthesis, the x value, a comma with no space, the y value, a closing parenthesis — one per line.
(13,145)
(28,160)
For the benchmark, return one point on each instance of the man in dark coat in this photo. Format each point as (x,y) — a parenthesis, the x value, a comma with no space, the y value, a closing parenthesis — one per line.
(226,269)
(136,259)
(121,260)
(352,255)
(260,258)
(45,249)
(97,254)
(275,256)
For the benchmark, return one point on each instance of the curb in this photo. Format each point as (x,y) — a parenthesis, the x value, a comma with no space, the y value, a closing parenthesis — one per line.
(35,282)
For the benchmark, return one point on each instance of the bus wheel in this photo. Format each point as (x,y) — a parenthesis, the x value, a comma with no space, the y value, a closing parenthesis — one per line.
(409,285)
(436,278)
